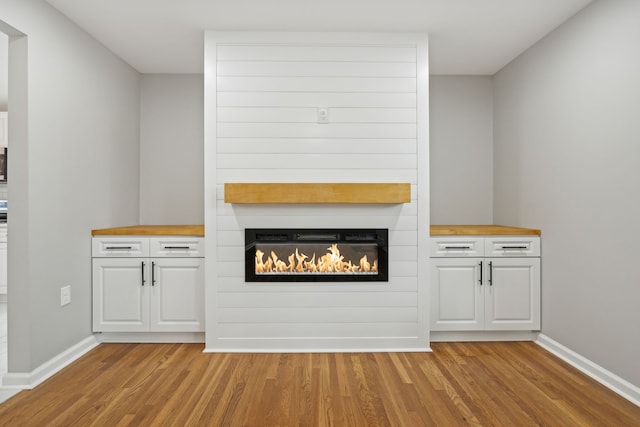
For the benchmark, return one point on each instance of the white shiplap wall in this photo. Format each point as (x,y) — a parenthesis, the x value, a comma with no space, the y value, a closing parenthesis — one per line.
(262,94)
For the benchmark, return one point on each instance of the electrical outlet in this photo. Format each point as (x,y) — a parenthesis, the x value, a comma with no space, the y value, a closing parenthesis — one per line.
(323,115)
(65,295)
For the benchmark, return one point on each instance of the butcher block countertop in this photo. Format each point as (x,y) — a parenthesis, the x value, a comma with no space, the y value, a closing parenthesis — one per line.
(198,230)
(481,230)
(151,230)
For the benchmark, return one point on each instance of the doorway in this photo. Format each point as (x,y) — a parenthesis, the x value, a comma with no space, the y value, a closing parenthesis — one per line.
(13,68)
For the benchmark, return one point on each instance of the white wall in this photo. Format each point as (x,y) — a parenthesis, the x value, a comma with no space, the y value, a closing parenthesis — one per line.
(4,71)
(261,126)
(74,166)
(568,162)
(171,149)
(461,144)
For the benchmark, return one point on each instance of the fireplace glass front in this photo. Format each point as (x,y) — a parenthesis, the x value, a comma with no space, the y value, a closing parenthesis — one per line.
(316,255)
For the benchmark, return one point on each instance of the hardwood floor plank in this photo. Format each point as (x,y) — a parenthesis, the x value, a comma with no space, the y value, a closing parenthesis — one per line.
(459,384)
(563,383)
(451,408)
(522,392)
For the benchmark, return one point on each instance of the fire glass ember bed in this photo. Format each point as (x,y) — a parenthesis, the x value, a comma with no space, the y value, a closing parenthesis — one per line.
(316,255)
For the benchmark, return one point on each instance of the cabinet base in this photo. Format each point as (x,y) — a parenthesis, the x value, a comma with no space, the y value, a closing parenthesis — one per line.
(451,336)
(150,337)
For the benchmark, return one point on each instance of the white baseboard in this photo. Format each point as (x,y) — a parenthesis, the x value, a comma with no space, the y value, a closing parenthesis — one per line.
(8,392)
(470,336)
(610,380)
(150,337)
(28,380)
(316,345)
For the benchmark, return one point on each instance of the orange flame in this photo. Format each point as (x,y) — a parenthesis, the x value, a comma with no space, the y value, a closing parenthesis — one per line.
(331,262)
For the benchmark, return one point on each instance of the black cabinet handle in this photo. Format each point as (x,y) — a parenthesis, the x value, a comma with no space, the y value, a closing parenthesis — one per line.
(177,247)
(513,247)
(142,269)
(458,247)
(153,273)
(480,274)
(490,273)
(118,248)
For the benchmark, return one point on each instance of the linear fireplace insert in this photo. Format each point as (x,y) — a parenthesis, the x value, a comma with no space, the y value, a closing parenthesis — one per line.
(316,255)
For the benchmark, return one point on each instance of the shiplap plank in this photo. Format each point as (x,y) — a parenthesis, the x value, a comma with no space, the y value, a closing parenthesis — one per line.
(233,222)
(230,238)
(320,69)
(230,268)
(315,99)
(237,284)
(403,268)
(310,115)
(319,330)
(399,254)
(316,130)
(317,315)
(325,162)
(316,299)
(340,146)
(372,115)
(315,173)
(330,214)
(316,84)
(230,253)
(403,238)
(267,115)
(310,52)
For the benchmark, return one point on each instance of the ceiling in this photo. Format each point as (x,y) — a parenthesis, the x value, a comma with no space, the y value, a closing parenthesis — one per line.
(474,37)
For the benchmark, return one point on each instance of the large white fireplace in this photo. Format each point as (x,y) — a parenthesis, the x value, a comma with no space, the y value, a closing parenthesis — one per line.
(285,110)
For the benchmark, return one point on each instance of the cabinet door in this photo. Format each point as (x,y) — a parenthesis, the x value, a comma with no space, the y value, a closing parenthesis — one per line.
(512,293)
(121,289)
(456,294)
(177,294)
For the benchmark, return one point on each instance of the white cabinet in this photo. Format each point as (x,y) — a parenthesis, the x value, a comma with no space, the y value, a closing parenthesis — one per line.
(485,283)
(121,296)
(4,129)
(148,284)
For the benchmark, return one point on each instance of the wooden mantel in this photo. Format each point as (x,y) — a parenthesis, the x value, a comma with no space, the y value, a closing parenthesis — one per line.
(294,193)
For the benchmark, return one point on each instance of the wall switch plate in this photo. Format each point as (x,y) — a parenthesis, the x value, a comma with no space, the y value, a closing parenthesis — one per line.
(323,115)
(65,295)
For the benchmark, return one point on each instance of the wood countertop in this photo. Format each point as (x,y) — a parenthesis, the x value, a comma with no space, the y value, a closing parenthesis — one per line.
(481,230)
(152,230)
(198,230)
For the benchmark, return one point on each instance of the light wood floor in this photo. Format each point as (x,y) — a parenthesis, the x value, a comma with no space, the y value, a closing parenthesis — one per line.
(501,384)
